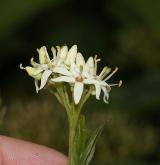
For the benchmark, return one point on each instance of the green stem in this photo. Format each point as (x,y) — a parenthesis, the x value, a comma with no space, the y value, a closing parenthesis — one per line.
(73,123)
(72,133)
(85,98)
(64,98)
(73,112)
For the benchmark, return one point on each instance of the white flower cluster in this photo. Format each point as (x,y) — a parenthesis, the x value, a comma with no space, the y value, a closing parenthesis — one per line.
(69,66)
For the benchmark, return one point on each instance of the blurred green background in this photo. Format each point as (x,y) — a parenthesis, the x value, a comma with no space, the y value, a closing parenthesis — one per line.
(124,34)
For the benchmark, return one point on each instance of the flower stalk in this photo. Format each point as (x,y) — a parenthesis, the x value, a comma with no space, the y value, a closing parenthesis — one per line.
(73,122)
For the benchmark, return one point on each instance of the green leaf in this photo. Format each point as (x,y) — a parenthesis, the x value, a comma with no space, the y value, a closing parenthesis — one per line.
(80,139)
(88,153)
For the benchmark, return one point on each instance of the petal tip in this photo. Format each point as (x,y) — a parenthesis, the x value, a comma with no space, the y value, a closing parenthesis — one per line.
(21,66)
(120,83)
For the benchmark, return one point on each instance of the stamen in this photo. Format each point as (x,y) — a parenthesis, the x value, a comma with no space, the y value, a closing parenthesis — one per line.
(95,63)
(118,84)
(108,77)
(104,72)
(96,60)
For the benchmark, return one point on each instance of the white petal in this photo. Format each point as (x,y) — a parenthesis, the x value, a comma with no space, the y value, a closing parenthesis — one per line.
(91,65)
(98,91)
(78,90)
(62,71)
(106,94)
(103,83)
(97,86)
(73,69)
(43,55)
(80,60)
(71,54)
(33,72)
(86,68)
(108,88)
(44,78)
(90,81)
(64,79)
(64,52)
(87,75)
(90,62)
(36,85)
(33,63)
(110,75)
(38,71)
(58,61)
(43,66)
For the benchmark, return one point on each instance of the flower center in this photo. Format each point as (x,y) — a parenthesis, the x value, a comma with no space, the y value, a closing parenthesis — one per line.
(50,66)
(79,78)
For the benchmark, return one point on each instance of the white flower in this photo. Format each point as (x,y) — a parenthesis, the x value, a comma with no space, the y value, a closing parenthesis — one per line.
(78,75)
(99,81)
(105,87)
(46,67)
(82,73)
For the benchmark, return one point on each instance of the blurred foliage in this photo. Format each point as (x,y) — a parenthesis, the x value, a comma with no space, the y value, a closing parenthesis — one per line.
(2,112)
(124,34)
